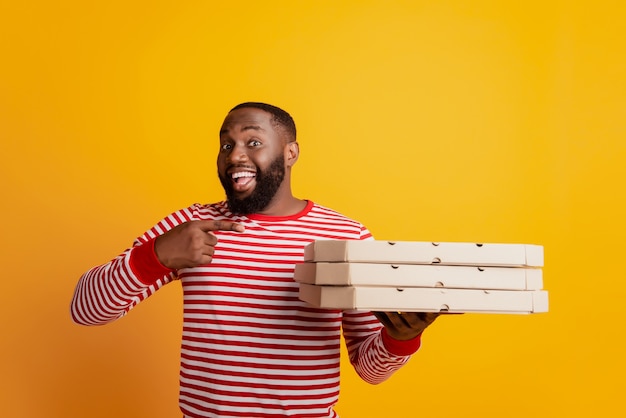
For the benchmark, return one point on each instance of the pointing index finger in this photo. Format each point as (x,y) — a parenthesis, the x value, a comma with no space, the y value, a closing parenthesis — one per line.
(226,226)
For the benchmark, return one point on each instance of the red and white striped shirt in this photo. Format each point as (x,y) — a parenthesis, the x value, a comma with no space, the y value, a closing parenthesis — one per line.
(250,347)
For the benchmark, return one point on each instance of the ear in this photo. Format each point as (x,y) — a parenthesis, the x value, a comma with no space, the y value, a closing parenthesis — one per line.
(292,152)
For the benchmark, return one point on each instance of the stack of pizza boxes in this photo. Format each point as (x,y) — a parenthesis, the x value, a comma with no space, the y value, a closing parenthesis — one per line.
(423,276)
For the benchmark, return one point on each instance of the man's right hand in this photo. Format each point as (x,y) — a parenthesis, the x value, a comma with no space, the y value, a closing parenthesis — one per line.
(191,244)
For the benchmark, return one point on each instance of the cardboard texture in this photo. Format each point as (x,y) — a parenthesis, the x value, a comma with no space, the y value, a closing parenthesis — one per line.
(424,299)
(414,275)
(414,252)
(423,276)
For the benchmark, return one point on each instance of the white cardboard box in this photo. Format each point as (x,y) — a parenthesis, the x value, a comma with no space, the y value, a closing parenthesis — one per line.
(415,275)
(425,299)
(415,252)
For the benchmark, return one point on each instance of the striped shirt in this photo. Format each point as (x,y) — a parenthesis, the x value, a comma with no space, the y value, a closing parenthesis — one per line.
(250,347)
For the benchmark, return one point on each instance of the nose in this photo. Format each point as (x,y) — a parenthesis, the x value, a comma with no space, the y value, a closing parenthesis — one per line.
(238,154)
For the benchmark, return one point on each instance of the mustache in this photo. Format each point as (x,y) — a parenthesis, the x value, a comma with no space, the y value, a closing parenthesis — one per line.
(239,165)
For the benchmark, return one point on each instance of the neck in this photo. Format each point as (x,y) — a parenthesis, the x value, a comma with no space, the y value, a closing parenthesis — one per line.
(284,206)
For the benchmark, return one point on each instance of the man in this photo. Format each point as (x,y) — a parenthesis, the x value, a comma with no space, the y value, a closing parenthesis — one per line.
(250,347)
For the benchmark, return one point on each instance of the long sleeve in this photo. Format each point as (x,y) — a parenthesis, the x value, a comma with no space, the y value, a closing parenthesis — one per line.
(107,292)
(250,346)
(374,355)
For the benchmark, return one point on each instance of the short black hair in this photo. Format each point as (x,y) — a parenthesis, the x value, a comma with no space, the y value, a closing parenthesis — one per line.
(279,116)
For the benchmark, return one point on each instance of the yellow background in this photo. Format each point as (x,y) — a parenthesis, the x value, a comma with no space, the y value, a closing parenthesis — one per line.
(483,121)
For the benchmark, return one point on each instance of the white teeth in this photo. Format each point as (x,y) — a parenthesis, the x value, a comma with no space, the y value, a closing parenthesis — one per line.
(242,174)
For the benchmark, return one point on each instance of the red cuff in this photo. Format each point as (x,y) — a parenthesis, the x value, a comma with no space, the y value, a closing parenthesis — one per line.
(401,348)
(146,264)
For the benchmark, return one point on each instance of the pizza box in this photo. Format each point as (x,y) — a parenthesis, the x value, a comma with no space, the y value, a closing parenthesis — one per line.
(416,275)
(416,252)
(418,299)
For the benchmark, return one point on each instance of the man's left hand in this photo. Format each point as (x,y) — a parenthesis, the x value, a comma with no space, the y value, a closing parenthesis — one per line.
(406,325)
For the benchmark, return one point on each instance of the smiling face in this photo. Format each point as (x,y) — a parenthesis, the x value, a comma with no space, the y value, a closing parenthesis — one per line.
(251,162)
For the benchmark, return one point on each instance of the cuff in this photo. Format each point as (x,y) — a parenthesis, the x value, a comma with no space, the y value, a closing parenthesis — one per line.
(401,348)
(146,265)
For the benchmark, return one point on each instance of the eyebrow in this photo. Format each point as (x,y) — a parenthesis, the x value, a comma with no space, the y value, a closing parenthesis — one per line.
(245,128)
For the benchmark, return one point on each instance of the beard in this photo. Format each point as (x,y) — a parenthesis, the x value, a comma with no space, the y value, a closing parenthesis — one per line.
(267,184)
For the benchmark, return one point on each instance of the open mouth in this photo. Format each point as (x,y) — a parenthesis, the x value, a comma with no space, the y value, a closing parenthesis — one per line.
(243,180)
(242,176)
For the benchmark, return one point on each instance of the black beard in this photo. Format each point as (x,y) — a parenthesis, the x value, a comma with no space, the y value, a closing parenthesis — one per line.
(267,184)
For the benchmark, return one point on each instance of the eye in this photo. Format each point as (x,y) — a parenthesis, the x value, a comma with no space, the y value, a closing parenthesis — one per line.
(226,147)
(254,143)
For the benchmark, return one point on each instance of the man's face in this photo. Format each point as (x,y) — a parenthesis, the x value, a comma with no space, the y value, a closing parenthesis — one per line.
(250,164)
